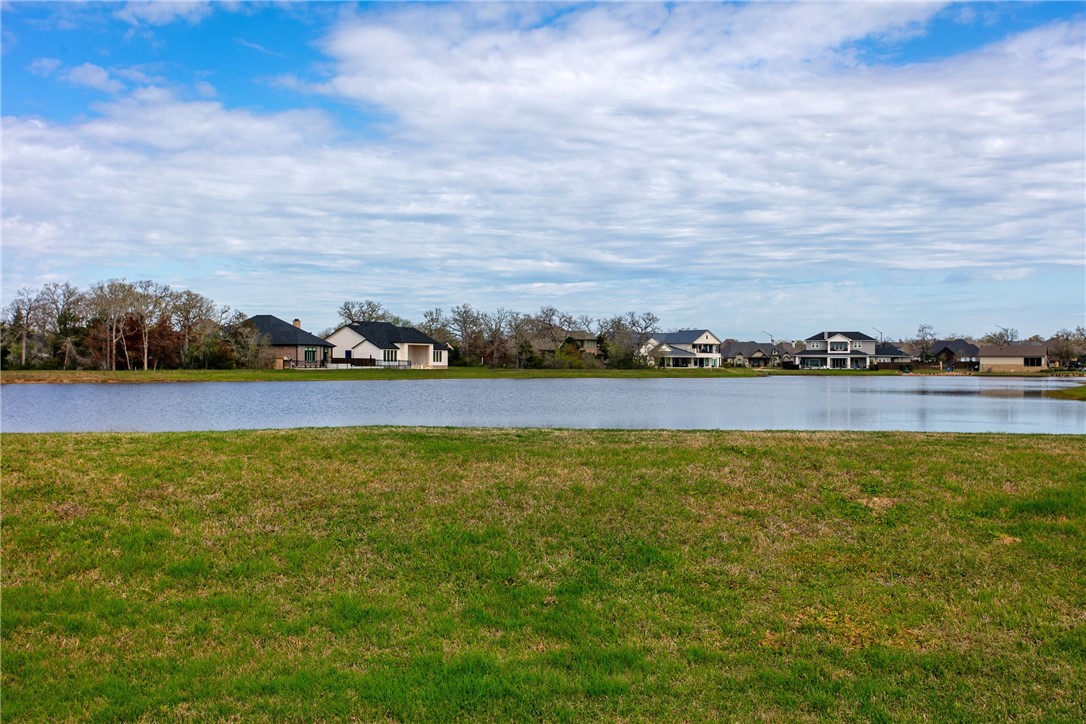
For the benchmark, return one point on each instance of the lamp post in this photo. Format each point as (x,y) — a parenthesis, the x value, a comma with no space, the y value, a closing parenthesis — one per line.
(770,336)
(881,340)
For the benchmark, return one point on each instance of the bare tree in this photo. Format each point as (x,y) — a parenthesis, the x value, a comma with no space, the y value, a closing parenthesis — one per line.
(111,304)
(466,325)
(495,327)
(642,327)
(365,311)
(149,302)
(925,337)
(23,318)
(64,310)
(191,312)
(1002,336)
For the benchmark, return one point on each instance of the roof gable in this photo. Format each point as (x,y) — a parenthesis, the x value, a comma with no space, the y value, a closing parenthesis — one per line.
(386,335)
(284,334)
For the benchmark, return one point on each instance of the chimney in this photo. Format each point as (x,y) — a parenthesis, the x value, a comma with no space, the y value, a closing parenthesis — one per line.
(298,323)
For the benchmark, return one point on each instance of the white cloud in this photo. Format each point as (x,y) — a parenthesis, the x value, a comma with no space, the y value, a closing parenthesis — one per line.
(89,75)
(163,13)
(699,159)
(44,66)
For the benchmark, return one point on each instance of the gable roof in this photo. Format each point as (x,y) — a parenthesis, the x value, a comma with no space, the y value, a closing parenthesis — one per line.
(284,334)
(385,335)
(957,347)
(730,348)
(683,336)
(851,335)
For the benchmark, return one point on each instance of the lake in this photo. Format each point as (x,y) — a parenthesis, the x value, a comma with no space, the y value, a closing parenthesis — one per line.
(918,403)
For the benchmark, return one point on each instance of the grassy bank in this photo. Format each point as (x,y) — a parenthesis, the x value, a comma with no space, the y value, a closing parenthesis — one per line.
(465,373)
(465,574)
(1069,393)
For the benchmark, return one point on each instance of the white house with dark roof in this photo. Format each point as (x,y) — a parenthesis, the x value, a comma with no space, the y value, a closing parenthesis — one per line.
(686,348)
(383,344)
(838,351)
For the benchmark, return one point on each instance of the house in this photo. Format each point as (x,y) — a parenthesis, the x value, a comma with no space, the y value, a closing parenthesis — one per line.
(756,354)
(292,345)
(838,351)
(383,344)
(1013,358)
(887,355)
(587,342)
(685,348)
(955,353)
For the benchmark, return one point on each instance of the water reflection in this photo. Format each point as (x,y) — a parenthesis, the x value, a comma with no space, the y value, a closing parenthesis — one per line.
(772,403)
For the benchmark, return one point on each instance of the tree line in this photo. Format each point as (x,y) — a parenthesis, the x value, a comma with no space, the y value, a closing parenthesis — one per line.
(122,325)
(508,338)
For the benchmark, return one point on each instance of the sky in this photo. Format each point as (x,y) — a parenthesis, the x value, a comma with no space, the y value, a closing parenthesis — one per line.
(763,169)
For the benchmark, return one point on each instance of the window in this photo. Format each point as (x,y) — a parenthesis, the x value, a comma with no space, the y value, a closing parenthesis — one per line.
(437,355)
(1032,361)
(838,346)
(857,345)
(346,354)
(310,354)
(390,355)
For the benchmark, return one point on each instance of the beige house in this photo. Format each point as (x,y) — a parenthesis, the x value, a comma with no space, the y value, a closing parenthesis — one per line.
(382,344)
(1013,358)
(685,348)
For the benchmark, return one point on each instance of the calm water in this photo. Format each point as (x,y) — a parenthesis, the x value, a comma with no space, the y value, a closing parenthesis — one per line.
(950,404)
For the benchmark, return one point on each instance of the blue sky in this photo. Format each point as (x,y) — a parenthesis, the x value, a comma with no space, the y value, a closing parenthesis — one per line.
(743,167)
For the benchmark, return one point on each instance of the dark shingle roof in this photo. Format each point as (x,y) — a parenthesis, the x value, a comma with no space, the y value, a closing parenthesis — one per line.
(885,349)
(284,334)
(1014,350)
(957,347)
(683,336)
(385,335)
(850,335)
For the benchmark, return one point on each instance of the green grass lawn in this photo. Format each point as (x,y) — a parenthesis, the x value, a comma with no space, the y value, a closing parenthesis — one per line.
(430,574)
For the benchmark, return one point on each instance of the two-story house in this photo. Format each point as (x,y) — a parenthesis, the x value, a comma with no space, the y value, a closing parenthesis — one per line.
(838,351)
(685,348)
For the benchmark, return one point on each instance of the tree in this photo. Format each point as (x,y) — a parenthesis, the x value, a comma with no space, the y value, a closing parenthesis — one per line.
(435,324)
(193,319)
(365,311)
(925,337)
(150,303)
(64,310)
(22,320)
(1002,336)
(642,327)
(466,325)
(248,347)
(111,305)
(1068,345)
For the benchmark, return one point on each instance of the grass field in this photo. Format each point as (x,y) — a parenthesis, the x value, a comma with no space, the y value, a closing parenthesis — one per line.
(427,574)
